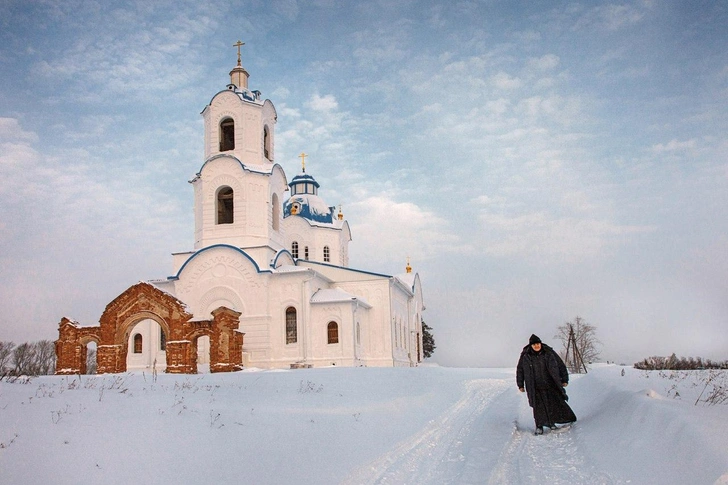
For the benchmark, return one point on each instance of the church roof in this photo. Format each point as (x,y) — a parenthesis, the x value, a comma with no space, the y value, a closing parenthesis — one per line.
(335,295)
(311,207)
(407,278)
(287,268)
(305,202)
(303,177)
(244,94)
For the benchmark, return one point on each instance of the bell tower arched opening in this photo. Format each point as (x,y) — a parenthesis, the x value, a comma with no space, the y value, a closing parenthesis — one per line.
(225,207)
(266,143)
(227,135)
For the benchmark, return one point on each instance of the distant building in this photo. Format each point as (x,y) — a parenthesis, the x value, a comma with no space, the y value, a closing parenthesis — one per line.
(267,283)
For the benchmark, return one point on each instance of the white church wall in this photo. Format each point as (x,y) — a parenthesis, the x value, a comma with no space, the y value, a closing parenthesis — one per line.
(221,276)
(376,340)
(297,229)
(341,352)
(401,325)
(152,356)
(316,238)
(277,190)
(326,237)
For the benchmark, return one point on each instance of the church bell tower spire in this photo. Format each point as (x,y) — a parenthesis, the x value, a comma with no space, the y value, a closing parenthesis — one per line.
(239,76)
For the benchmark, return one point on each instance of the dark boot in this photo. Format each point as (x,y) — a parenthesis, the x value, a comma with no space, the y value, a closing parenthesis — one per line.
(539,430)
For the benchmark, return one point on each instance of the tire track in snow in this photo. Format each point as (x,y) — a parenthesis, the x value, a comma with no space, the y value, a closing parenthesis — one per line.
(441,452)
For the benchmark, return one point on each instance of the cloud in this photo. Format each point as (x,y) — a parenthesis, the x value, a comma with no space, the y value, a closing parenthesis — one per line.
(543,238)
(11,131)
(543,63)
(674,145)
(387,231)
(609,17)
(112,56)
(326,103)
(506,82)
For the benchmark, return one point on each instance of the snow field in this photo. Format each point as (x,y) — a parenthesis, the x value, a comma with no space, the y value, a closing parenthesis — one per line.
(427,425)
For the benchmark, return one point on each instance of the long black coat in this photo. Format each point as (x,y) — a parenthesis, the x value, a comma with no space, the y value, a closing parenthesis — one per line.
(555,367)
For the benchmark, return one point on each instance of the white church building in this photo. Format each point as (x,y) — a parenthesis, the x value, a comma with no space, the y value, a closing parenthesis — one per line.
(270,256)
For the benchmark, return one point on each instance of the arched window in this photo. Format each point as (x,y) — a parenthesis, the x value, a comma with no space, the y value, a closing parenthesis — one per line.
(275,211)
(291,326)
(138,343)
(333,329)
(305,253)
(294,249)
(327,255)
(162,340)
(227,135)
(266,142)
(225,205)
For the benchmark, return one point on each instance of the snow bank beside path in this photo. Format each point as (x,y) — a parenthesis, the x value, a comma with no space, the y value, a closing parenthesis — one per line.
(646,427)
(428,425)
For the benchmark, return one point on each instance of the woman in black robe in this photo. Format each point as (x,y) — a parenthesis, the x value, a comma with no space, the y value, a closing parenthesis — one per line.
(543,376)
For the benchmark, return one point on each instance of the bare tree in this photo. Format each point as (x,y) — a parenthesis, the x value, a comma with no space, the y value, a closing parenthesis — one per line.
(45,357)
(580,338)
(30,359)
(91,365)
(23,359)
(6,354)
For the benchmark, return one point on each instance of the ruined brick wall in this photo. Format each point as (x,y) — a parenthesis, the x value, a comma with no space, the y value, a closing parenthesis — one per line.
(144,301)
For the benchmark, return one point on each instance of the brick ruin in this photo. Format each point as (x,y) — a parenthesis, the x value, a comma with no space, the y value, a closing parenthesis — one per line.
(144,301)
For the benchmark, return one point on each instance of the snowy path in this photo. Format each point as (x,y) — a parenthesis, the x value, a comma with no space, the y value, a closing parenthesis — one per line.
(485,437)
(554,458)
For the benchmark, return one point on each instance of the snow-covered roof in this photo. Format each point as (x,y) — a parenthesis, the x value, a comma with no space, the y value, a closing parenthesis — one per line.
(246,95)
(265,169)
(303,178)
(287,268)
(408,279)
(313,208)
(336,295)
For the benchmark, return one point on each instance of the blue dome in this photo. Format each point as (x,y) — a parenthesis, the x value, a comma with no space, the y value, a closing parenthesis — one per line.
(310,207)
(303,178)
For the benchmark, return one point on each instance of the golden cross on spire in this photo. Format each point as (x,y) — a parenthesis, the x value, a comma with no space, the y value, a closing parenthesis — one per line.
(303,156)
(239,44)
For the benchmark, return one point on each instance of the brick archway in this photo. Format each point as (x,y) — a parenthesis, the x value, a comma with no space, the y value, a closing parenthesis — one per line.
(144,301)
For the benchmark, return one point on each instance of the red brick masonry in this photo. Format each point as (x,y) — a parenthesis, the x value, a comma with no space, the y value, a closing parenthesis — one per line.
(144,301)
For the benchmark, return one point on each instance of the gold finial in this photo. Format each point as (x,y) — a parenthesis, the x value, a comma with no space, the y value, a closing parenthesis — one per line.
(303,156)
(341,214)
(239,44)
(408,268)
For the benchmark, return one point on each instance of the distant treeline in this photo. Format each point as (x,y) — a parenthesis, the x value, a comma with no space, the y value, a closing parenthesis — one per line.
(28,359)
(679,363)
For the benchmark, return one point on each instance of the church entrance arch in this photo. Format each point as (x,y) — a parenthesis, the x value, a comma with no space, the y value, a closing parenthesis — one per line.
(146,346)
(89,349)
(203,353)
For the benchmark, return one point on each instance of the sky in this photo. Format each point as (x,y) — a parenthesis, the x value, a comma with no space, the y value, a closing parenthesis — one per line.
(536,162)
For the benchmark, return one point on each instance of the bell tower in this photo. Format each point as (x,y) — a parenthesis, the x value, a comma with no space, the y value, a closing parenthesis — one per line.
(239,189)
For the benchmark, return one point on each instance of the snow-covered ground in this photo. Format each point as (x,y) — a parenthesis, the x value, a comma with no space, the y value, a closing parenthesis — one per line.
(427,425)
